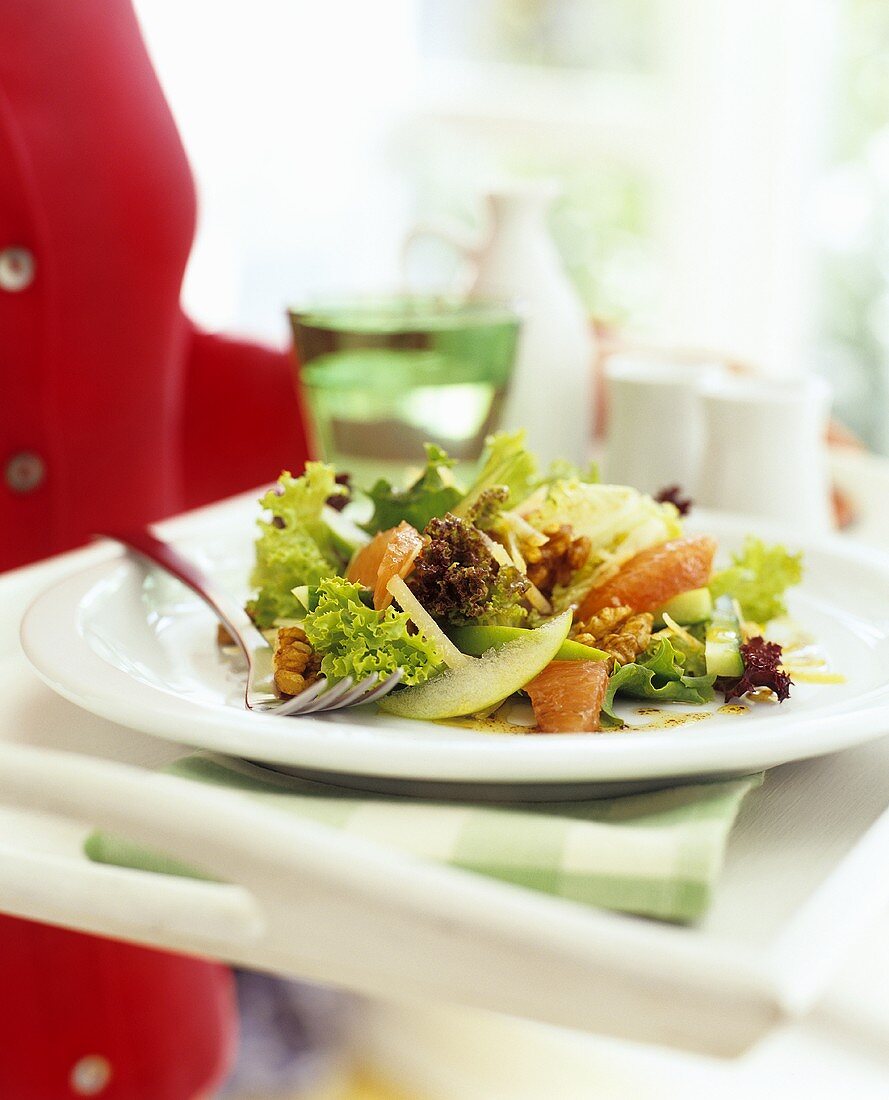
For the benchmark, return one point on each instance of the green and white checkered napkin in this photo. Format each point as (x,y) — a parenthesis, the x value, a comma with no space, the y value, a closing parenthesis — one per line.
(657,854)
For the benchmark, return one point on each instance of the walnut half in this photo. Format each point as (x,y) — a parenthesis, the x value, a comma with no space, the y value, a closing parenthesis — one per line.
(618,631)
(296,663)
(558,559)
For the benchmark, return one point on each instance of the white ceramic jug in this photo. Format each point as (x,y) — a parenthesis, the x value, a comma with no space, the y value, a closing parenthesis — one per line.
(551,394)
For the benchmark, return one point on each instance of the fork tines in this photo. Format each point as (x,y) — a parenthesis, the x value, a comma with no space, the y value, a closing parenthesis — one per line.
(345,693)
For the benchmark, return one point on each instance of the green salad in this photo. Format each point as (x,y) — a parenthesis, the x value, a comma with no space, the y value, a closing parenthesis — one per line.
(521,583)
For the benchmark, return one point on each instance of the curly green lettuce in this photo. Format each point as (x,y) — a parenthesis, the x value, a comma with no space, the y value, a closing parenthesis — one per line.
(758,578)
(295,546)
(503,608)
(506,463)
(355,640)
(659,674)
(432,494)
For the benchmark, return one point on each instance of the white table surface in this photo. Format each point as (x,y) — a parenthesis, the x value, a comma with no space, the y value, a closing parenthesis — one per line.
(789,841)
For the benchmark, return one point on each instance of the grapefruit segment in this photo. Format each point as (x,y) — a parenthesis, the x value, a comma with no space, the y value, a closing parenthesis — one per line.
(363,567)
(404,544)
(388,554)
(568,695)
(654,576)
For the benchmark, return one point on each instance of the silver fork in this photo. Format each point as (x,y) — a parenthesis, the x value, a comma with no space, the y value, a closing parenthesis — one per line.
(259,694)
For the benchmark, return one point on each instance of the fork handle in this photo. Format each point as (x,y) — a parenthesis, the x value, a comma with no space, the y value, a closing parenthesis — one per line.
(234,618)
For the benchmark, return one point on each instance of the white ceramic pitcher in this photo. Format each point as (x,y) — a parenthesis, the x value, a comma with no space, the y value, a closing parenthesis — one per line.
(551,394)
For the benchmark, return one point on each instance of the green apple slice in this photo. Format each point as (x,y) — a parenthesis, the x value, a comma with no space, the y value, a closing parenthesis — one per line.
(482,681)
(476,640)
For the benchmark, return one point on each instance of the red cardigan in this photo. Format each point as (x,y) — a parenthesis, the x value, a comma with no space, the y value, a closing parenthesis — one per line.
(114,409)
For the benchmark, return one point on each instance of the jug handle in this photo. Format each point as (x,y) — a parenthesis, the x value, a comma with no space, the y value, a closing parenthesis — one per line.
(467,248)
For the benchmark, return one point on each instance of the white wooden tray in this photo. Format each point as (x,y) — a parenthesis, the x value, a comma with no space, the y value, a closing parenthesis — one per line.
(804,883)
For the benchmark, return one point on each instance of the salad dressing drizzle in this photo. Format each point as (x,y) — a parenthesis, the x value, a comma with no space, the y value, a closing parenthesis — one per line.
(808,664)
(663,719)
(659,718)
(488,725)
(802,659)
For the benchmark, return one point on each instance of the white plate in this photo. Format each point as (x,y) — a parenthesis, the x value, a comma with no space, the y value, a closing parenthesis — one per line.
(137,648)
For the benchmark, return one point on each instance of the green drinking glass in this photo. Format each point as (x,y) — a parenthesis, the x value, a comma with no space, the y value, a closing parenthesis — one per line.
(381,376)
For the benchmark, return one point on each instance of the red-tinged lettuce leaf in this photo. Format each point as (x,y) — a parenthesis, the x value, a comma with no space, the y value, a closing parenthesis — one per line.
(457,579)
(672,494)
(762,661)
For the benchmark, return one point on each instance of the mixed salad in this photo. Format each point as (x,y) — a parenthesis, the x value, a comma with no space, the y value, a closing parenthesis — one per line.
(525,584)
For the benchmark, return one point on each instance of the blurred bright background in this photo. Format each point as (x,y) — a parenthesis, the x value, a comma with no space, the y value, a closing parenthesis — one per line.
(725,163)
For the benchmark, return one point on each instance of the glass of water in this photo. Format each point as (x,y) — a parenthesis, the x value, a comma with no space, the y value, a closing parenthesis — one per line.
(381,376)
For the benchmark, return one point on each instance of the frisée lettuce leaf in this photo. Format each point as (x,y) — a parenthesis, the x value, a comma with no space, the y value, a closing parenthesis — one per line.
(355,640)
(758,578)
(295,546)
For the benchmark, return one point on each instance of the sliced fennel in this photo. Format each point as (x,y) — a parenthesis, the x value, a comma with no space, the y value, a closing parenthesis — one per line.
(618,521)
(424,622)
(723,641)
